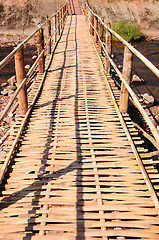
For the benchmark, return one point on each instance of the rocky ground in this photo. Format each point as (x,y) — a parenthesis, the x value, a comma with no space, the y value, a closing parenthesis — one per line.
(6,92)
(7,40)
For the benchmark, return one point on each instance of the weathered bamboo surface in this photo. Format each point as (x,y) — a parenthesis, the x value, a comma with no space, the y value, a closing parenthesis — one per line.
(75,175)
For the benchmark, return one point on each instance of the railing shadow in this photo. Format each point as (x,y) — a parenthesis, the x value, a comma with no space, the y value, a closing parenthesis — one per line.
(38,191)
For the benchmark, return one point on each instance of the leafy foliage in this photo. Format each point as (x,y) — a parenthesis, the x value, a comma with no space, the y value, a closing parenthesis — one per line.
(128,31)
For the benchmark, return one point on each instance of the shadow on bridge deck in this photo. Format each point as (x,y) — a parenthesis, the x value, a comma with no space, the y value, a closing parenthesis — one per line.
(75,171)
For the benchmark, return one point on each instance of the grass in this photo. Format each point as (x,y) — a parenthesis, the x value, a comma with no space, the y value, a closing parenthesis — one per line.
(128,31)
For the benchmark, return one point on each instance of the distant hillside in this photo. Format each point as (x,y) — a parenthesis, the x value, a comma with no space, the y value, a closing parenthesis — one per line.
(144,13)
(25,13)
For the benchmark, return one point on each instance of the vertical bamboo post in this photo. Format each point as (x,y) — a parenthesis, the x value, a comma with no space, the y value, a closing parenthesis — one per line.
(58,25)
(64,14)
(65,11)
(108,44)
(61,18)
(40,47)
(100,37)
(20,75)
(56,20)
(49,36)
(91,24)
(95,26)
(55,28)
(88,17)
(127,73)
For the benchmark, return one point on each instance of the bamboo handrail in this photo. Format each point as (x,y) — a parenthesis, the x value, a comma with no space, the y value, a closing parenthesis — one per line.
(20,46)
(11,55)
(137,156)
(144,60)
(140,163)
(5,111)
(151,66)
(8,158)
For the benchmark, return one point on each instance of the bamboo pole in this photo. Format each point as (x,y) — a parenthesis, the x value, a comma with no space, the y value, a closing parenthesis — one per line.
(55,27)
(58,23)
(49,36)
(139,55)
(100,37)
(11,55)
(108,44)
(40,47)
(67,8)
(20,75)
(127,72)
(136,154)
(91,21)
(64,15)
(61,20)
(95,27)
(8,158)
(154,69)
(135,99)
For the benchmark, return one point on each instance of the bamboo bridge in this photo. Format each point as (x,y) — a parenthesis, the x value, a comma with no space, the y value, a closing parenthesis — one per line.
(75,165)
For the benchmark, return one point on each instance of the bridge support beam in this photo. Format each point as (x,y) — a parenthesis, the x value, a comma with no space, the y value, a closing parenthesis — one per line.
(127,73)
(108,44)
(20,75)
(40,48)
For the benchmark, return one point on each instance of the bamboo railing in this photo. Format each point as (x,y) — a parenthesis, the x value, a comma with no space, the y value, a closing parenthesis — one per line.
(96,27)
(55,22)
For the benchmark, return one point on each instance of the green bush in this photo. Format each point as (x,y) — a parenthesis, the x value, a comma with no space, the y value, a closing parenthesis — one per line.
(128,31)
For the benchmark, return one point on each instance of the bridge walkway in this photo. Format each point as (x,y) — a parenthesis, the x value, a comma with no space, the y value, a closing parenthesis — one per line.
(75,175)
